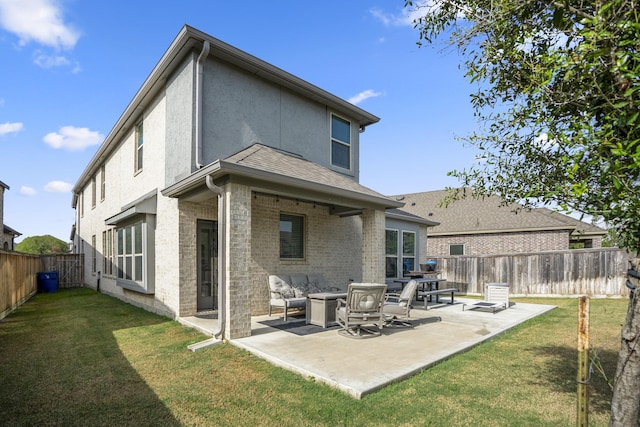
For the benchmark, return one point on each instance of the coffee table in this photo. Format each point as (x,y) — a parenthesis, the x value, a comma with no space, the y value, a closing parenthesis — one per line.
(321,308)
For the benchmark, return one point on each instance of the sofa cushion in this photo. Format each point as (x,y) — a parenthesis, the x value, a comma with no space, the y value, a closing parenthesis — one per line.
(317,280)
(280,283)
(299,285)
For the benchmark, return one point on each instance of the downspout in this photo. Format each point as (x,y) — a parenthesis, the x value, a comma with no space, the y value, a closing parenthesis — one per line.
(222,253)
(218,334)
(199,89)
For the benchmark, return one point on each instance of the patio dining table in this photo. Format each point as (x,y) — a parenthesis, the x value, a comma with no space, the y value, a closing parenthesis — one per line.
(431,284)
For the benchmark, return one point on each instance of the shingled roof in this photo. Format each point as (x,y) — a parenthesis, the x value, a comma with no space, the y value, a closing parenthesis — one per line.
(280,168)
(486,215)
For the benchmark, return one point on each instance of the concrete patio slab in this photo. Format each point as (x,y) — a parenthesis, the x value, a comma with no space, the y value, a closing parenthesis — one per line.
(355,365)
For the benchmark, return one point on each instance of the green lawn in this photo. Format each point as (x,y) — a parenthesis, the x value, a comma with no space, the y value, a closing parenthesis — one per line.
(77,357)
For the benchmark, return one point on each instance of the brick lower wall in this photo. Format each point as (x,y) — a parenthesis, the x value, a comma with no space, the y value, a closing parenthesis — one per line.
(333,246)
(500,243)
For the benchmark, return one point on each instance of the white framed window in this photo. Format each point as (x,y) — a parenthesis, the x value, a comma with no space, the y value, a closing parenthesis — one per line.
(94,255)
(107,252)
(105,260)
(408,252)
(110,251)
(391,253)
(93,192)
(291,236)
(130,255)
(340,142)
(103,185)
(456,249)
(134,255)
(139,148)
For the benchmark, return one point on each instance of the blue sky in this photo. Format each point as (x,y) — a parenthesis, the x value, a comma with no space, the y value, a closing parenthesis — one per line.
(69,68)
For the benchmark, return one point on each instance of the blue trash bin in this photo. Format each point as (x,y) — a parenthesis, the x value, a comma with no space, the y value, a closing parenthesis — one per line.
(48,281)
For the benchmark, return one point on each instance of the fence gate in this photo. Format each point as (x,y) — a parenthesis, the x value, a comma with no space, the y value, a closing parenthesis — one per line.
(68,266)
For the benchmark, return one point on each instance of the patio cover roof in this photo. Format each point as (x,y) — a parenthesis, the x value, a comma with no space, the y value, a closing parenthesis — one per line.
(271,171)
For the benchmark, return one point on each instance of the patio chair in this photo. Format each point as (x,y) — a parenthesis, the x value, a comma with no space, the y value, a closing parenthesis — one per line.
(363,306)
(496,298)
(397,306)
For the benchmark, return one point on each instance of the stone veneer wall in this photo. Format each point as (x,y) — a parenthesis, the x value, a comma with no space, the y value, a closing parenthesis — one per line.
(500,243)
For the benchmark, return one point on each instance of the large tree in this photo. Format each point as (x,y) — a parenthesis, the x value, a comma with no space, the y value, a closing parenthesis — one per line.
(40,245)
(558,105)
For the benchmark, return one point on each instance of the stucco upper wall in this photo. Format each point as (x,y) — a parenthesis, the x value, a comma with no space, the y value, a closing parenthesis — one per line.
(241,109)
(180,121)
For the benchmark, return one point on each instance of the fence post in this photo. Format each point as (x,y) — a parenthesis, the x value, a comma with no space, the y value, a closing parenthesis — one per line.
(583,361)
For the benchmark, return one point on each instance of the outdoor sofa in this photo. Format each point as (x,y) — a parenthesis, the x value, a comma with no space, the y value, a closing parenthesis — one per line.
(290,290)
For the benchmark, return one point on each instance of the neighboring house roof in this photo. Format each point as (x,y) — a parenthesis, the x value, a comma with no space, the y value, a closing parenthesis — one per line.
(581,228)
(406,216)
(485,215)
(9,230)
(2,184)
(285,174)
(188,40)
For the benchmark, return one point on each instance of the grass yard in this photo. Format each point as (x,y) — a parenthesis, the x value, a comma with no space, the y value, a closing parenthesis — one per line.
(77,357)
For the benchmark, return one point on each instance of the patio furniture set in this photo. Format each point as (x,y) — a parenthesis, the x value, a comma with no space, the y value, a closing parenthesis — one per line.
(366,308)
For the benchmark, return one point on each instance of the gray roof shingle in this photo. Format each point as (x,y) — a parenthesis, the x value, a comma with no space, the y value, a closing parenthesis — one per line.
(268,159)
(484,215)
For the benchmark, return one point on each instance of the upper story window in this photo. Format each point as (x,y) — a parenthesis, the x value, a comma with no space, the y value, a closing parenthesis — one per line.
(102,183)
(291,236)
(340,142)
(139,145)
(93,192)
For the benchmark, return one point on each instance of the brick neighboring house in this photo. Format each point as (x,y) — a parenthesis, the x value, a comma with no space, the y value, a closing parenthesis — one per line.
(218,159)
(484,227)
(8,234)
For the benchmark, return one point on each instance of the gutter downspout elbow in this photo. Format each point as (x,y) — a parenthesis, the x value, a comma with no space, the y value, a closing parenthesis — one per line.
(222,250)
(199,89)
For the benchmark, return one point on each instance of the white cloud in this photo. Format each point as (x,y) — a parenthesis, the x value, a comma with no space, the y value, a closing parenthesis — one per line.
(73,138)
(404,18)
(27,191)
(1,102)
(363,95)
(8,127)
(49,61)
(58,187)
(40,21)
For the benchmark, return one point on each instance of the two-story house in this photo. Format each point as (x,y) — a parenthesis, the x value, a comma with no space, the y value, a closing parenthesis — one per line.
(222,170)
(7,234)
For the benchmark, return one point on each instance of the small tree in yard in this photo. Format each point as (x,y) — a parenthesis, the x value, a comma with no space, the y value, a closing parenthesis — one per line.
(558,103)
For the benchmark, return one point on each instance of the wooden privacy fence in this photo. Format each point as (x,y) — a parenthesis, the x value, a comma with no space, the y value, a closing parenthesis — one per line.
(596,272)
(17,279)
(18,275)
(68,266)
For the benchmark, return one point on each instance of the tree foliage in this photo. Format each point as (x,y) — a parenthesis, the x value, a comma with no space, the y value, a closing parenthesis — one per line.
(40,245)
(558,101)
